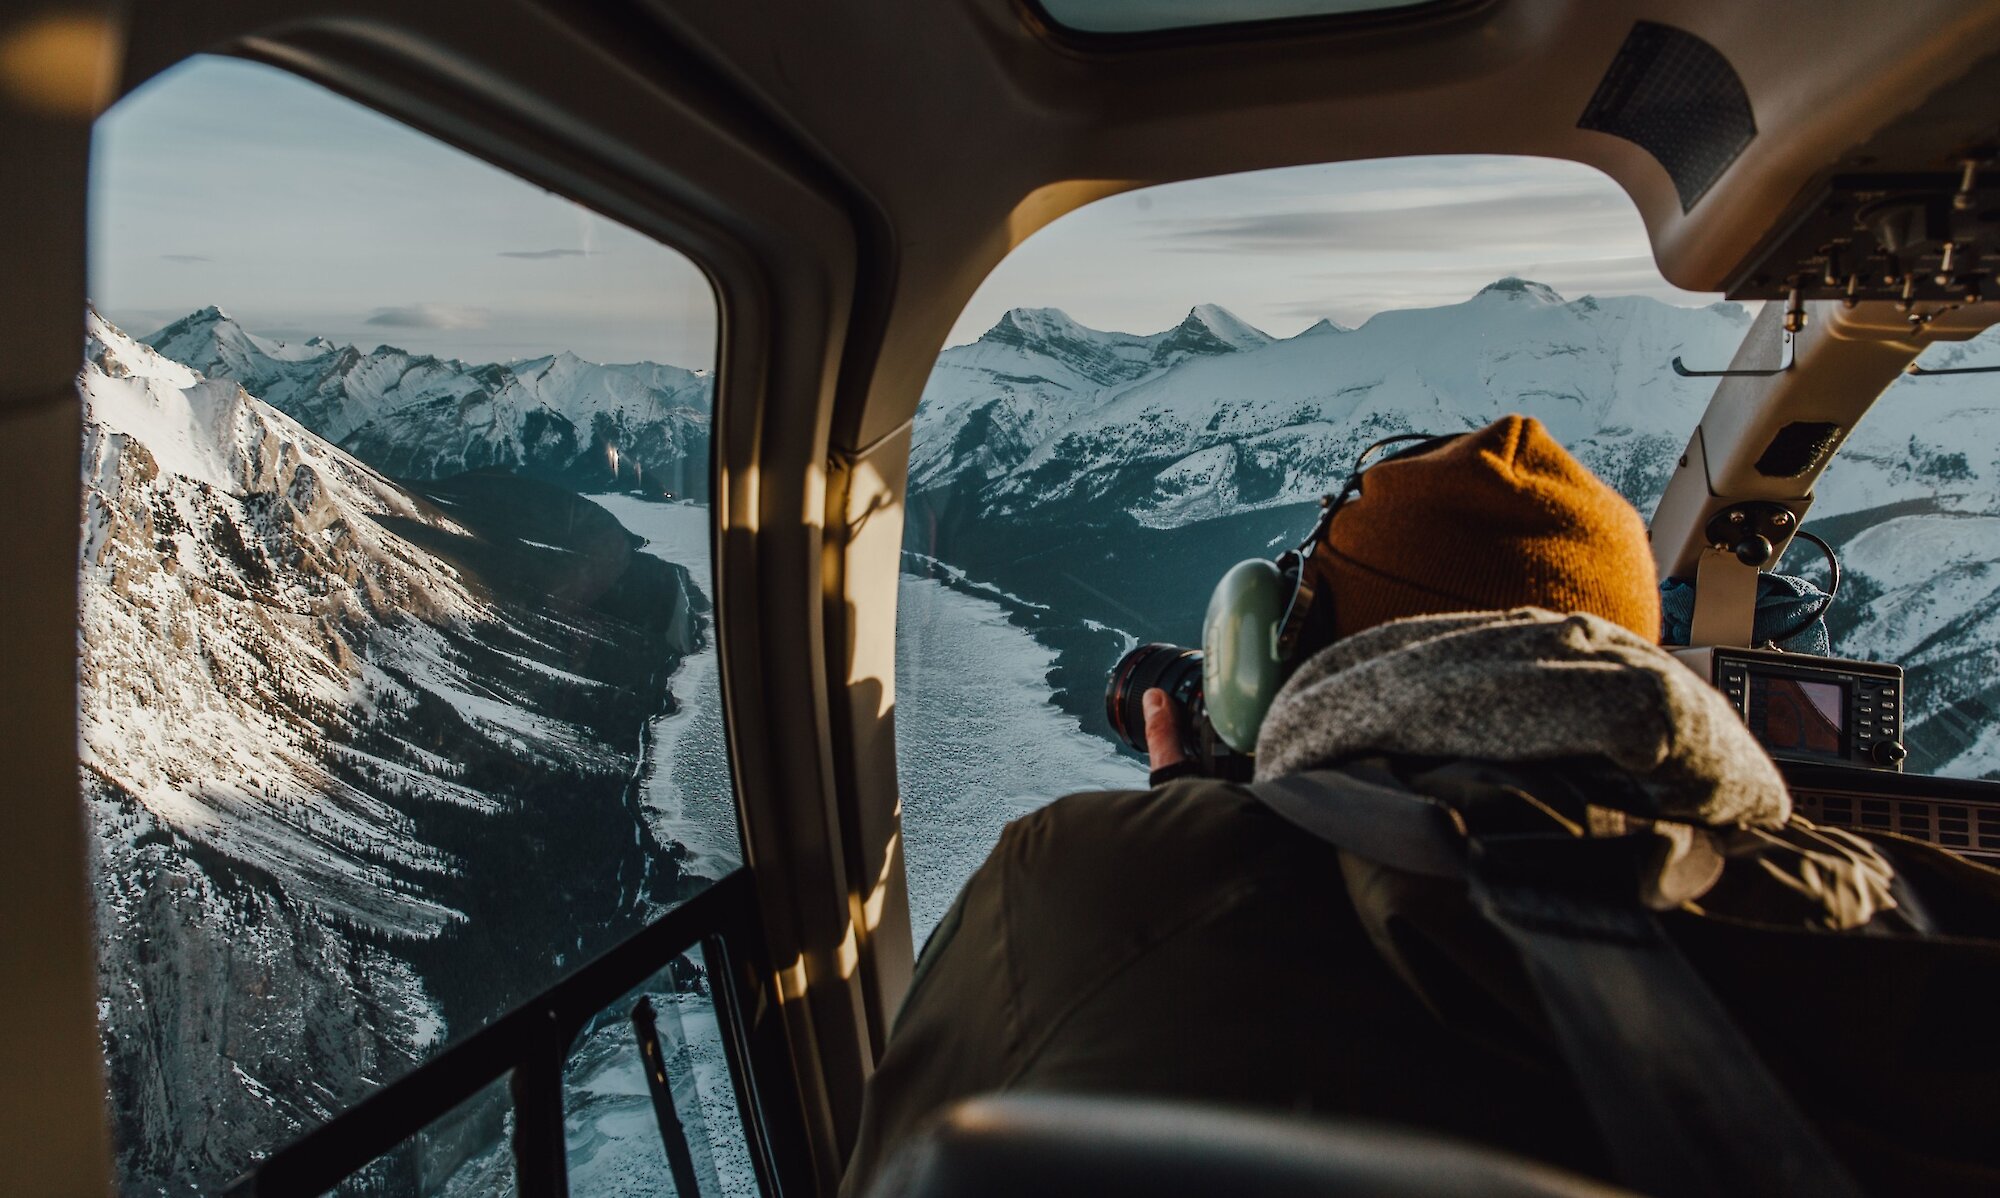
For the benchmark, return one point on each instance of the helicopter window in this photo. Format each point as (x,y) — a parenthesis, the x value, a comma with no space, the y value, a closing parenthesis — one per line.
(1147,16)
(1076,490)
(398,689)
(605,1092)
(1912,506)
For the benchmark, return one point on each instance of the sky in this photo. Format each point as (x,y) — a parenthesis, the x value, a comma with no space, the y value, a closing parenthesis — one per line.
(1284,248)
(304,214)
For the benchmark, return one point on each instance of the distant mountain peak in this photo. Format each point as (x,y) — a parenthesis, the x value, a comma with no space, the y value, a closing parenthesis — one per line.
(1227,326)
(1514,287)
(200,320)
(1018,326)
(1321,328)
(1209,329)
(212,314)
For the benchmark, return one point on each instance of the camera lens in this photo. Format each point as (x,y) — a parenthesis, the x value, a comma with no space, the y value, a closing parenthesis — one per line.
(1172,668)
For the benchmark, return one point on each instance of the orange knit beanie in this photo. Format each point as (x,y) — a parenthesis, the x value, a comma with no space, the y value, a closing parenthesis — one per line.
(1499,518)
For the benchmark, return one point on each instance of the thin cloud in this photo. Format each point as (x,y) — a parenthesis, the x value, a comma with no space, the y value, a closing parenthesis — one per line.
(1490,267)
(1542,217)
(1357,295)
(186,258)
(428,316)
(537,254)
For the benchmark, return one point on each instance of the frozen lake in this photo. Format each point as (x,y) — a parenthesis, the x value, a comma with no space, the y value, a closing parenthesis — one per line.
(978,744)
(977,740)
(685,790)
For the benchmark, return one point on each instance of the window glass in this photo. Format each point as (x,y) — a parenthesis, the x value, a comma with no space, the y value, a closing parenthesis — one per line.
(1164,383)
(1143,16)
(614,1117)
(1912,507)
(466,1153)
(398,683)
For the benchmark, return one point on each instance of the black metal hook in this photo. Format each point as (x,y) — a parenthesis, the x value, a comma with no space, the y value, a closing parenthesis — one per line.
(1919,371)
(1789,354)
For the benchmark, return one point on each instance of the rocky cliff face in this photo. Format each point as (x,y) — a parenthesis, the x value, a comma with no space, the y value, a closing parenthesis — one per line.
(357,757)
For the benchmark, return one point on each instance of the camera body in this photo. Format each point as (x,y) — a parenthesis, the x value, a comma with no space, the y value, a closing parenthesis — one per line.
(1222,690)
(1176,670)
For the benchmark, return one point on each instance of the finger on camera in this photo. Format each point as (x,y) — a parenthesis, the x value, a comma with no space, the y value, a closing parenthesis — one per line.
(1163,742)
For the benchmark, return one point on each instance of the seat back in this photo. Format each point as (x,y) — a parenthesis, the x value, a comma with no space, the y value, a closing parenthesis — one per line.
(1061,1144)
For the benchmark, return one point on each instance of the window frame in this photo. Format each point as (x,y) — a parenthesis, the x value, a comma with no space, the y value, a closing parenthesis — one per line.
(1309,27)
(692,165)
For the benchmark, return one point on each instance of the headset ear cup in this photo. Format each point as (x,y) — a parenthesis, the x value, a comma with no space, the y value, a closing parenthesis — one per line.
(1242,667)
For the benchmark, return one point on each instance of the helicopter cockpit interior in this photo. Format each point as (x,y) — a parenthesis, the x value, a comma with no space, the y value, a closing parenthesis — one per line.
(482,762)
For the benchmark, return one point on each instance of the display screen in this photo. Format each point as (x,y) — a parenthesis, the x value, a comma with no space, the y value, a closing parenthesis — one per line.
(1794,715)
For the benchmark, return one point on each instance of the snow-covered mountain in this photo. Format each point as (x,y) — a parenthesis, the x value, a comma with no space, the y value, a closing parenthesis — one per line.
(988,404)
(1251,423)
(340,743)
(1913,502)
(1082,469)
(641,425)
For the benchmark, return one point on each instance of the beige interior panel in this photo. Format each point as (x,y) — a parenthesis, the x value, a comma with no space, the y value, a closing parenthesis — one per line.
(55,62)
(1506,77)
(847,175)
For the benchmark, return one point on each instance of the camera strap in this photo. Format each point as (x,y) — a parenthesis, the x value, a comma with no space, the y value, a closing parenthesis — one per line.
(1684,1104)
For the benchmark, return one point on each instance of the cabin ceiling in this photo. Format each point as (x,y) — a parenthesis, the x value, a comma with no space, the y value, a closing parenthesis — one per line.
(967,124)
(964,125)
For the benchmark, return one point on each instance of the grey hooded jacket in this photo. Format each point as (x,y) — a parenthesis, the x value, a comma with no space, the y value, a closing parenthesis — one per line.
(1185,942)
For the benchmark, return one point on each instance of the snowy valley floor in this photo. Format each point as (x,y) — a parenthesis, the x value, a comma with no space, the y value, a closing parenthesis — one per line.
(978,744)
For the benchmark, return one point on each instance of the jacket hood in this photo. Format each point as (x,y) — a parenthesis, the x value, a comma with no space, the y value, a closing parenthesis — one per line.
(1524,686)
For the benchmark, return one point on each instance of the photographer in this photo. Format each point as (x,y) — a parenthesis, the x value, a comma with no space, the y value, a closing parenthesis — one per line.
(1485,612)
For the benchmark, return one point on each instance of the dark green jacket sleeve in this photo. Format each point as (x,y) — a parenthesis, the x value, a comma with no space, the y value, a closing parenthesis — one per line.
(950,1039)
(1074,895)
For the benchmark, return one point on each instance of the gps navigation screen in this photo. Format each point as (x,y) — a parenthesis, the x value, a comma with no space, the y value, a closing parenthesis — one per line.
(1796,716)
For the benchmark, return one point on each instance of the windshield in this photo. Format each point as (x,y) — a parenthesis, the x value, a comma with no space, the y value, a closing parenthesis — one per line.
(1912,507)
(1164,383)
(399,688)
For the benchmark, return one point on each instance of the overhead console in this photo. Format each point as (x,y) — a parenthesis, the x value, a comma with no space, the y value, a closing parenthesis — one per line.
(1911,217)
(1922,240)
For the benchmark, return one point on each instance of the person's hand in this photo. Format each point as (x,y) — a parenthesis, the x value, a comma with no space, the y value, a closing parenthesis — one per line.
(1163,738)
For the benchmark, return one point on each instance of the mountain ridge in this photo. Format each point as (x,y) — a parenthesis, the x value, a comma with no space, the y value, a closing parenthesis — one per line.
(558,416)
(1271,422)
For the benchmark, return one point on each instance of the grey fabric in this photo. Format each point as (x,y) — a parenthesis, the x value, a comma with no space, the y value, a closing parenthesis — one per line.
(1527,685)
(1533,686)
(1636,1025)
